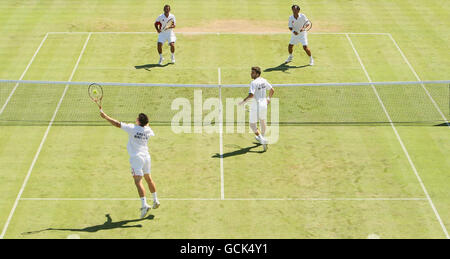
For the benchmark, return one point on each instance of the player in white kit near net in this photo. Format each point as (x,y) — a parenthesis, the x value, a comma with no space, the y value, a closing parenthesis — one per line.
(140,159)
(258,106)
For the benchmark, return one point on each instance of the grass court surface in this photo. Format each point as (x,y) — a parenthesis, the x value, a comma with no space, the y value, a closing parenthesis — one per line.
(331,180)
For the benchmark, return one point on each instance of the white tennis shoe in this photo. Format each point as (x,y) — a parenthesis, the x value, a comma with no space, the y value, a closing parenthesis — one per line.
(156,205)
(144,211)
(262,141)
(289,59)
(161,59)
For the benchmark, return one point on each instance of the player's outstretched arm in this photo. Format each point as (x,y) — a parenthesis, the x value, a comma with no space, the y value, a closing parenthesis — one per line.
(114,122)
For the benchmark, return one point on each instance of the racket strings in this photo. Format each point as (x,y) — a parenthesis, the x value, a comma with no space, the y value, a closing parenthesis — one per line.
(96,93)
(307,26)
(168,24)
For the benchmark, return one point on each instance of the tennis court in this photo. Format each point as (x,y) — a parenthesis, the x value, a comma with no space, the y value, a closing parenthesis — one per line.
(352,158)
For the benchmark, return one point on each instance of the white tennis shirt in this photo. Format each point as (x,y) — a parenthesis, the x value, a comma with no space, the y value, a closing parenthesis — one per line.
(138,138)
(258,88)
(163,20)
(297,24)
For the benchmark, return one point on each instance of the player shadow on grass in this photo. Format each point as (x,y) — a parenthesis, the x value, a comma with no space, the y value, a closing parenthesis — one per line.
(148,66)
(240,151)
(445,124)
(283,67)
(109,224)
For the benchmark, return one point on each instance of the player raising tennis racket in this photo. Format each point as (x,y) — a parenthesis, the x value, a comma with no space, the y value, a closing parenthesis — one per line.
(140,160)
(299,25)
(164,25)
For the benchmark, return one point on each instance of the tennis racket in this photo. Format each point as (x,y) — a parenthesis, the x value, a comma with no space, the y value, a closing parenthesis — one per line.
(168,25)
(95,92)
(306,26)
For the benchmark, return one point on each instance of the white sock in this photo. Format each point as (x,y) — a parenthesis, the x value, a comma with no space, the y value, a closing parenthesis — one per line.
(290,55)
(155,198)
(143,202)
(173,55)
(160,55)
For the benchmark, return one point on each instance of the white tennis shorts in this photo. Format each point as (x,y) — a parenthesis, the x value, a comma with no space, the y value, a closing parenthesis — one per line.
(300,38)
(167,36)
(140,165)
(258,111)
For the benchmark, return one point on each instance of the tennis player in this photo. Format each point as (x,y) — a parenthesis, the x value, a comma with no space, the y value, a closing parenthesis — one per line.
(140,160)
(258,108)
(296,22)
(165,35)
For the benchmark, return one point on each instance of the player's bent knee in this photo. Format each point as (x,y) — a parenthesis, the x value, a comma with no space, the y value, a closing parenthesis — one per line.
(253,126)
(137,178)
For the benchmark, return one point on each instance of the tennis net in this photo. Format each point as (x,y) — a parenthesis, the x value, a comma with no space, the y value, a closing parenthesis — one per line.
(67,103)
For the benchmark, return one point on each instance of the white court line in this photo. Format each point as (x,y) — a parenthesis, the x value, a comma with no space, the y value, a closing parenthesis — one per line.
(326,199)
(399,83)
(400,141)
(19,195)
(219,33)
(117,199)
(222,183)
(229,199)
(418,79)
(23,74)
